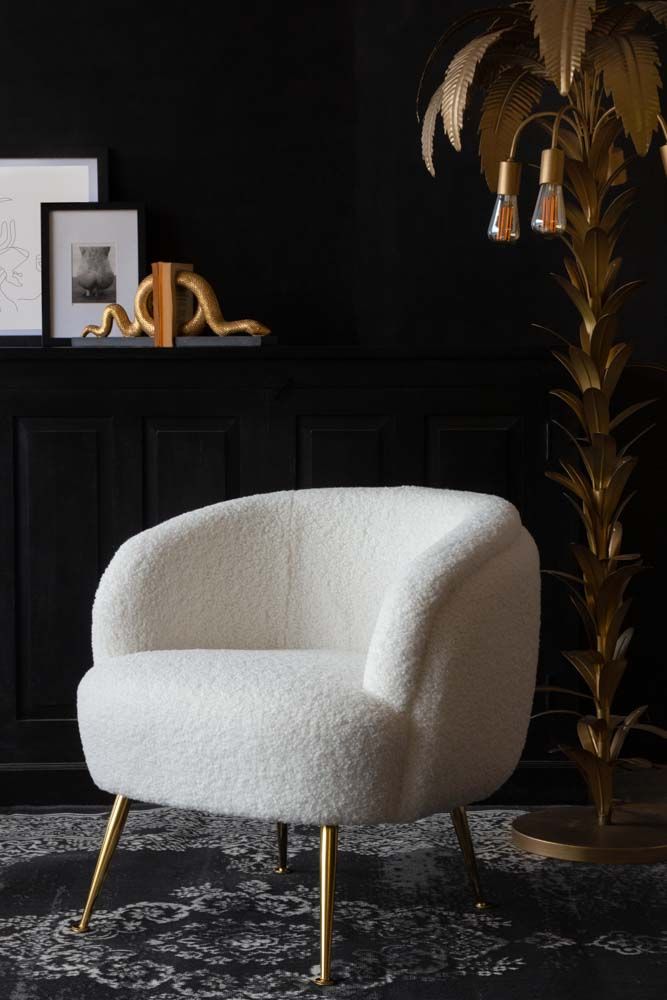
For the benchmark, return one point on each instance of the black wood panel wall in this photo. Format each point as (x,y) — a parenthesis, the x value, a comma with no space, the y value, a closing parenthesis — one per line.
(97,444)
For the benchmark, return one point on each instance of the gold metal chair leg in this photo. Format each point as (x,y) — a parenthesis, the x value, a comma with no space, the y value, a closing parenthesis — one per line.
(115,825)
(328,854)
(281,830)
(460,821)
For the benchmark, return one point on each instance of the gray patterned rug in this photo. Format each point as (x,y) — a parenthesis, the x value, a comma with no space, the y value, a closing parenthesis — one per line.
(192,909)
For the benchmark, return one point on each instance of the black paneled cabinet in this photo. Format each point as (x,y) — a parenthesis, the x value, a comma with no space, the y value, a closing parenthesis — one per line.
(98,444)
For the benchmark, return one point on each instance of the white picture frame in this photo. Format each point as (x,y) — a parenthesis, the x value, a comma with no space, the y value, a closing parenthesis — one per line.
(26,182)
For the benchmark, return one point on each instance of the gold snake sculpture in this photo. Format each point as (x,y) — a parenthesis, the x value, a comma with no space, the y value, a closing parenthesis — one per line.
(208,313)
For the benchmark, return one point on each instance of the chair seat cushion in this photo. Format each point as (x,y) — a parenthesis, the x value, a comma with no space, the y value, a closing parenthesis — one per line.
(285,735)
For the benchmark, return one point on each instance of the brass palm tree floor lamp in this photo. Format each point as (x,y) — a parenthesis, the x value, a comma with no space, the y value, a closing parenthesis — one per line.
(603,60)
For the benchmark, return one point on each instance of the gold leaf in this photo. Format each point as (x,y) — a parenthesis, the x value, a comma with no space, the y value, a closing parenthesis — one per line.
(552,333)
(612,627)
(578,477)
(567,364)
(596,254)
(600,459)
(629,411)
(615,364)
(562,26)
(622,643)
(596,411)
(574,274)
(591,733)
(570,400)
(624,18)
(621,733)
(616,485)
(619,205)
(577,223)
(617,173)
(611,276)
(579,301)
(618,298)
(548,688)
(588,664)
(428,129)
(629,66)
(656,730)
(584,513)
(601,342)
(633,441)
(610,678)
(585,189)
(615,539)
(592,568)
(599,155)
(586,373)
(458,78)
(569,484)
(509,99)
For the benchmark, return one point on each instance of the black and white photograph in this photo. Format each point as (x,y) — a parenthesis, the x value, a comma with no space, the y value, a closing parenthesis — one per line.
(93,272)
(92,257)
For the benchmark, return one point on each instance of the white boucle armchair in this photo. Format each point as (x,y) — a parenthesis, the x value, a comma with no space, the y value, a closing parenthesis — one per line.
(326,656)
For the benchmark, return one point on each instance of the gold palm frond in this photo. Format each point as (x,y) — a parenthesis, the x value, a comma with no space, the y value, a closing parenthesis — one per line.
(458,78)
(612,19)
(509,99)
(629,66)
(428,129)
(562,27)
(656,8)
(510,16)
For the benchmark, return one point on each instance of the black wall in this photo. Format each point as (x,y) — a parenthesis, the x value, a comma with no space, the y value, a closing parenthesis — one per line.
(277,148)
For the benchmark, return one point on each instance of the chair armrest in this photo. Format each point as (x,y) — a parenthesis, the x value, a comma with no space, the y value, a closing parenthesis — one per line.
(414,600)
(207,579)
(456,648)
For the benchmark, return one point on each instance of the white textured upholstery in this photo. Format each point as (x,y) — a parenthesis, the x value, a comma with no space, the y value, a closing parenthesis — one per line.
(323,656)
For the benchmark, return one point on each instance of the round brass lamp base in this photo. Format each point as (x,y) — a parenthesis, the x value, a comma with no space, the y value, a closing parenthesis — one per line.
(637,834)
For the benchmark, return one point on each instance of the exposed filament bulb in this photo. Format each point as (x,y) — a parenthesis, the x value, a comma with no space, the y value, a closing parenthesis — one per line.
(504,224)
(549,217)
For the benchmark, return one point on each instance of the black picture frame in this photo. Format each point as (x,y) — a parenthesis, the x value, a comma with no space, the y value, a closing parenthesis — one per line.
(48,208)
(66,153)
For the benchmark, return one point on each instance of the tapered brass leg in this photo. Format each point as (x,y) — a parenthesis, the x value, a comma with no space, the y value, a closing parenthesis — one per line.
(460,821)
(281,830)
(328,853)
(115,825)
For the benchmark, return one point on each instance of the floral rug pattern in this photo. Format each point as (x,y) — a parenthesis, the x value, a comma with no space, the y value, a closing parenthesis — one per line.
(193,909)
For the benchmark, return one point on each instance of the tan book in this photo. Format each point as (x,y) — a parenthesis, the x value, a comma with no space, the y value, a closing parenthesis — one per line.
(172,306)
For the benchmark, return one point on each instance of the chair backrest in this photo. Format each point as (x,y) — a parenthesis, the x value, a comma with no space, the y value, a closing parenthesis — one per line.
(347,545)
(292,570)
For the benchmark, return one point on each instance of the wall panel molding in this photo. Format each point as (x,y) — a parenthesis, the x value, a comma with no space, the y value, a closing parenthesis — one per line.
(190,462)
(479,453)
(343,450)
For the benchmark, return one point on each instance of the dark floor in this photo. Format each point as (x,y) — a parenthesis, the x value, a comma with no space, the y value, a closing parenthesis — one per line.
(192,909)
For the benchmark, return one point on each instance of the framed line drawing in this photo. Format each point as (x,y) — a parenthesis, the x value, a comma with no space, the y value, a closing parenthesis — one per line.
(26,181)
(92,255)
